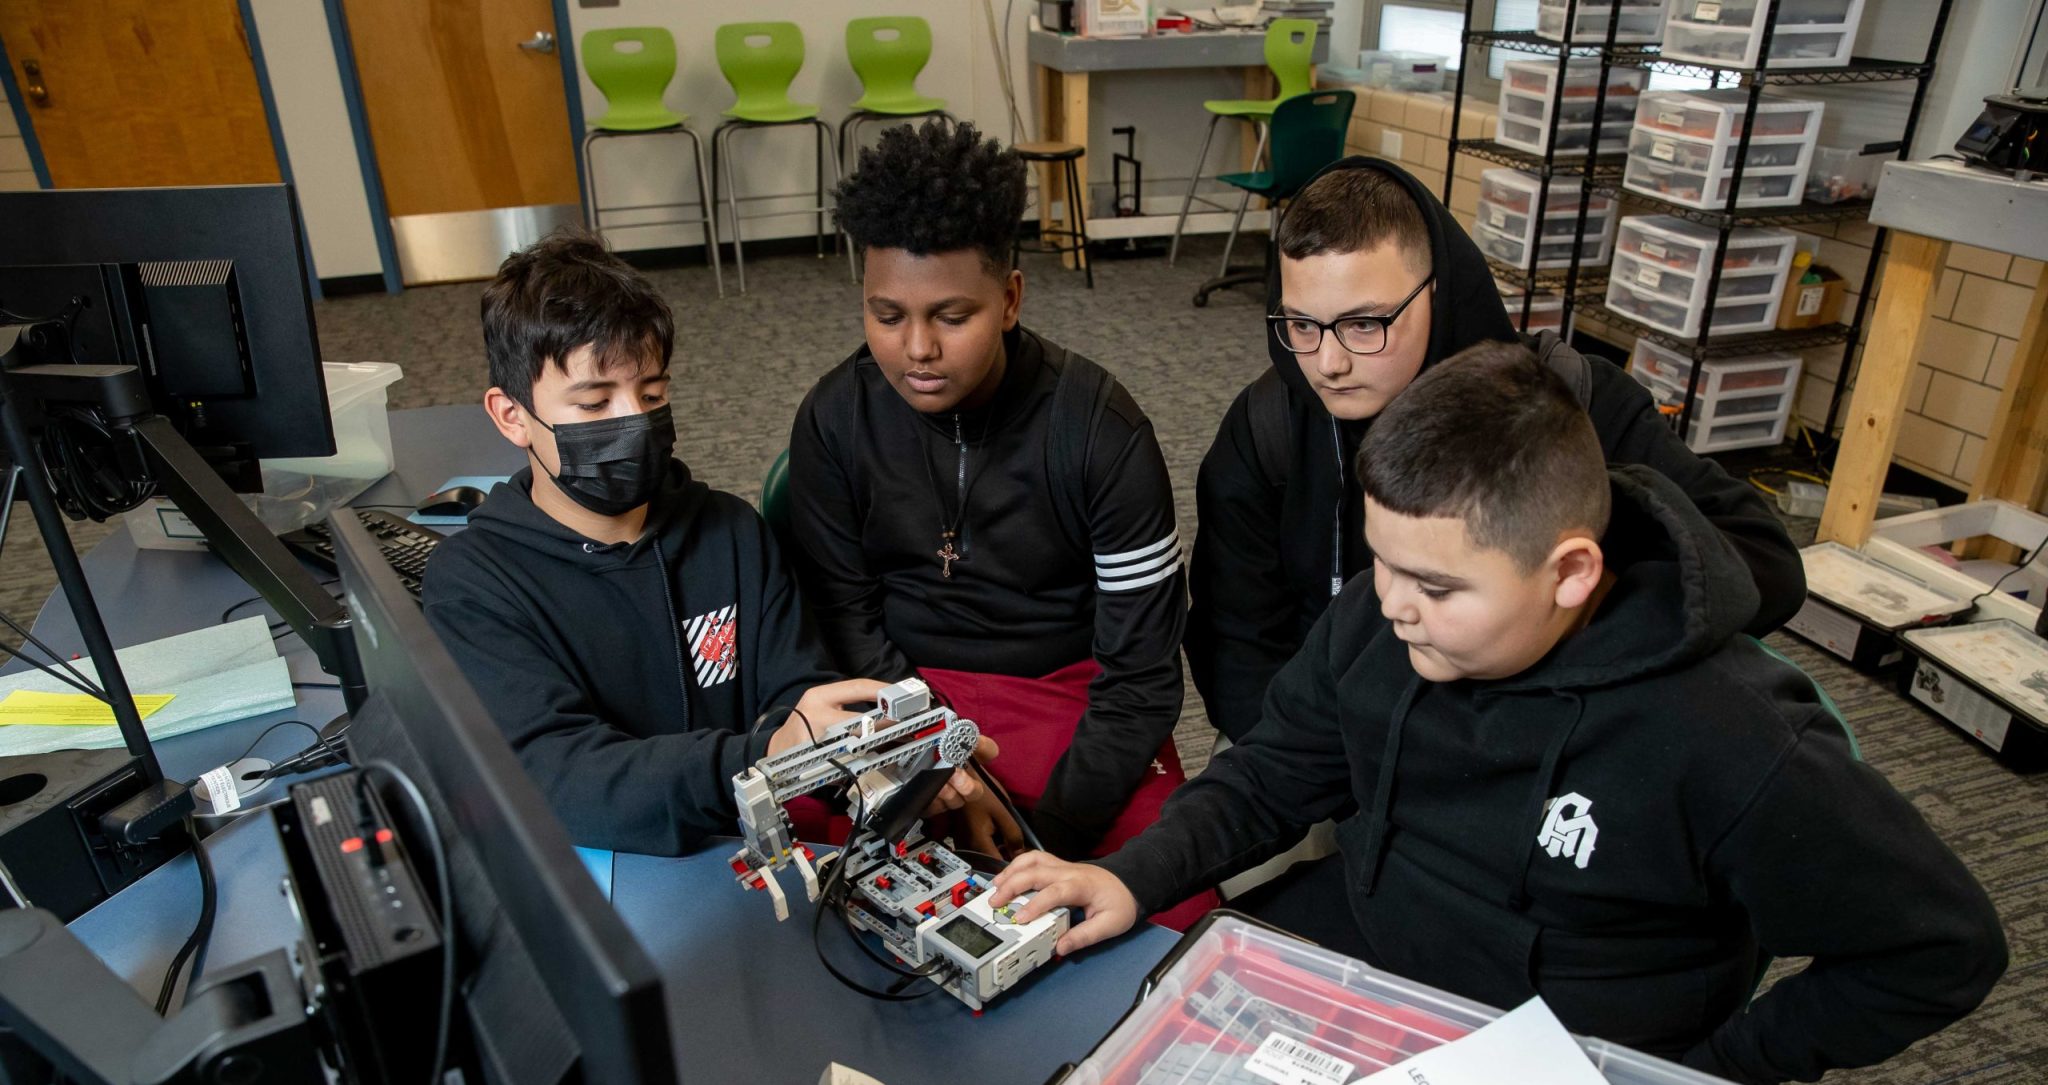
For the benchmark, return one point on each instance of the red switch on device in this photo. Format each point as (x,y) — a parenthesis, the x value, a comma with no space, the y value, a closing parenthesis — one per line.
(959,894)
(884,882)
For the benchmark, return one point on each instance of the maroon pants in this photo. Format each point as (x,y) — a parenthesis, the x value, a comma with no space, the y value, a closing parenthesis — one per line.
(1032,720)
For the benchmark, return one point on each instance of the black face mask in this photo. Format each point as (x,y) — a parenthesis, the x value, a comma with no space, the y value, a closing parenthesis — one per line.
(612,465)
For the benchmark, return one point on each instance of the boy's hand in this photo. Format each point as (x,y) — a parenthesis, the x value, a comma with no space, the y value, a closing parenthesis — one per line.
(1110,907)
(823,706)
(963,788)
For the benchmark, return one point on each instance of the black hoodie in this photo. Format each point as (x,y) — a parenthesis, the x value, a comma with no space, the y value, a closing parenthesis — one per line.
(626,675)
(1268,560)
(1620,828)
(1034,591)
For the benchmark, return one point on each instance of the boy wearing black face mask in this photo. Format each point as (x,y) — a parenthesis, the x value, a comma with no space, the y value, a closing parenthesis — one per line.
(624,623)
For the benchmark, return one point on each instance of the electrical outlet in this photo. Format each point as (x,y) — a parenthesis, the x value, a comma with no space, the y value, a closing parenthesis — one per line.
(1390,145)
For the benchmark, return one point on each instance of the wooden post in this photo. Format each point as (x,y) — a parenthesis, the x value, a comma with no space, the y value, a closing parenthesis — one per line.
(1074,129)
(1872,429)
(1051,182)
(2015,462)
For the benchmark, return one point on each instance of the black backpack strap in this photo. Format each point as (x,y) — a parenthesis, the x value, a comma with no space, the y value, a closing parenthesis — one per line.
(1079,397)
(1272,421)
(1568,364)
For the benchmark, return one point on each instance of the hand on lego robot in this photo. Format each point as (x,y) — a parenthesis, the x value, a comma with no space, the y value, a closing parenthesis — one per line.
(822,706)
(1109,906)
(963,791)
(985,824)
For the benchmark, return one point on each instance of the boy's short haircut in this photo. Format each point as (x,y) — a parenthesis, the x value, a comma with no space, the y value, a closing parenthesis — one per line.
(1492,436)
(560,293)
(1352,210)
(935,188)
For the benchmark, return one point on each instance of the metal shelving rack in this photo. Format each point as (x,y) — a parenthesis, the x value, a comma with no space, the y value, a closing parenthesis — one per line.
(1703,346)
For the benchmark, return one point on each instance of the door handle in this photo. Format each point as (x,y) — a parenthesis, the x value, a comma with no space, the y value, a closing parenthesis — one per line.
(543,41)
(32,83)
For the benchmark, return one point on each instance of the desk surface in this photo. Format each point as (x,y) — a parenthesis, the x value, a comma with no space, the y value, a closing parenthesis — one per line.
(747,997)
(1957,202)
(1171,49)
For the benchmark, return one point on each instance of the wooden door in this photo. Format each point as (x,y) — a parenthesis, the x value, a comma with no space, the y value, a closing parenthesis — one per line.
(462,117)
(140,92)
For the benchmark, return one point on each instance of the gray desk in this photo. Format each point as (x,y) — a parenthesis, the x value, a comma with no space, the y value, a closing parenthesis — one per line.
(747,996)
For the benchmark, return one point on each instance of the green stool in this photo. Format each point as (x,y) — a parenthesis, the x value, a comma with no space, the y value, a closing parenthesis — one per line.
(887,52)
(632,81)
(1290,54)
(760,60)
(1308,134)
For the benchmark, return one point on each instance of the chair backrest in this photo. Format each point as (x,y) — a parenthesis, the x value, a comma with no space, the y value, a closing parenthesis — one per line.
(1307,134)
(759,60)
(888,63)
(775,497)
(1290,53)
(634,78)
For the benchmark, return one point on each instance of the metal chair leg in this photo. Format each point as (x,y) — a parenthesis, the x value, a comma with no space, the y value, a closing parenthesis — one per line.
(1079,198)
(852,262)
(1195,178)
(1230,241)
(589,183)
(841,145)
(722,156)
(1259,153)
(705,207)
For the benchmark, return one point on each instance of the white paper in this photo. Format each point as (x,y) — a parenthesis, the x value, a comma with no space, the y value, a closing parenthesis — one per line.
(1526,1046)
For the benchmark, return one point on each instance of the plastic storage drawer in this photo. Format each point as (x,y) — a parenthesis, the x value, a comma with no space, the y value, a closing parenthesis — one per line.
(1640,20)
(1546,311)
(1528,96)
(1505,197)
(1234,989)
(1675,243)
(1729,33)
(1653,363)
(1731,315)
(1514,251)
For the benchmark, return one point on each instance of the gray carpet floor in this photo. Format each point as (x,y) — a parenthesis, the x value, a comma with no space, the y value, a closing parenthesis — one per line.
(745,362)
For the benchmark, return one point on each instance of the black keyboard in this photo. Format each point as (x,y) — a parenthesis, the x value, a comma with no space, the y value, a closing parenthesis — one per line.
(406,545)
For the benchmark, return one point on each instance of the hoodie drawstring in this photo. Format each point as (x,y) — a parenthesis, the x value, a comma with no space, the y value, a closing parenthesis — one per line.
(1337,520)
(1539,800)
(675,626)
(1383,788)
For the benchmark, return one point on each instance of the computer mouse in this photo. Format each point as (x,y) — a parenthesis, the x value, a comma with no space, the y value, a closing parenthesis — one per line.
(453,501)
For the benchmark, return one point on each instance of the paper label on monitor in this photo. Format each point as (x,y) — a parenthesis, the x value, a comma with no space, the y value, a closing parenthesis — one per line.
(1809,300)
(177,525)
(1664,151)
(1650,277)
(1651,249)
(1496,217)
(1671,118)
(1707,11)
(1284,1060)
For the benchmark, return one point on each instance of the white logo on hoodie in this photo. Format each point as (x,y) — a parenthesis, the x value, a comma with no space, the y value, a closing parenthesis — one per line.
(1568,829)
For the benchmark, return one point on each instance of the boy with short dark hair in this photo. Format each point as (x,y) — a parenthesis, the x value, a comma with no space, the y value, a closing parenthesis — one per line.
(976,504)
(1573,775)
(1377,283)
(629,627)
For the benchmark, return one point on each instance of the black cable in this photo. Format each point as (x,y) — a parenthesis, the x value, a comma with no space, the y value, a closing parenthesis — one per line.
(69,675)
(828,898)
(316,685)
(201,931)
(988,780)
(2024,562)
(267,733)
(446,892)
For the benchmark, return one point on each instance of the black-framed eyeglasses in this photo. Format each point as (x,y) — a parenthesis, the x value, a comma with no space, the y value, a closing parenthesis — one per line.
(1357,334)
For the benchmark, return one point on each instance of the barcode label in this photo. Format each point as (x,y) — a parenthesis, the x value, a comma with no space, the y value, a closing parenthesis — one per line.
(1707,12)
(1496,217)
(1671,118)
(1651,249)
(1650,277)
(1664,151)
(1809,300)
(1286,1061)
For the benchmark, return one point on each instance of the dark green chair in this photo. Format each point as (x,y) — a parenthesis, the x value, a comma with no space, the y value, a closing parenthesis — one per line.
(1308,133)
(775,495)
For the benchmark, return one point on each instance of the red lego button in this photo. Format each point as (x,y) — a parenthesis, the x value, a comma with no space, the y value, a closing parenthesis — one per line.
(926,908)
(884,882)
(959,894)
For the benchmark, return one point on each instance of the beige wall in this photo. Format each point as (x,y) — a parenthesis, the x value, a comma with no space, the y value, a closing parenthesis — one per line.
(14,168)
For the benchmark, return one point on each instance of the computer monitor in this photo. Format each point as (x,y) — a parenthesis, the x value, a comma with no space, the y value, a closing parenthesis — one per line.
(202,288)
(556,988)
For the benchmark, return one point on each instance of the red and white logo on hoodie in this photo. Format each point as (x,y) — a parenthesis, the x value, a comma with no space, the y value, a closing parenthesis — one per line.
(714,645)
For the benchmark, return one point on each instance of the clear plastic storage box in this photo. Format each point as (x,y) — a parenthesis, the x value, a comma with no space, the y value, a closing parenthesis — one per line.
(1546,311)
(1238,990)
(1683,148)
(1662,264)
(1740,402)
(1397,69)
(1506,227)
(1527,99)
(1729,33)
(1640,20)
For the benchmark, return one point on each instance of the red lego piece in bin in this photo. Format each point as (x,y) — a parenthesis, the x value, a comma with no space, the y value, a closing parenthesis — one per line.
(926,909)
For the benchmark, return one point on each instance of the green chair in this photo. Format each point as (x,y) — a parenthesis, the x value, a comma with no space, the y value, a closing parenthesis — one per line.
(633,66)
(760,60)
(775,504)
(1308,134)
(1290,54)
(887,52)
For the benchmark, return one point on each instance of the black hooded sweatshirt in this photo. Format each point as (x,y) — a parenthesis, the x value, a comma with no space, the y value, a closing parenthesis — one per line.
(626,676)
(1621,828)
(1269,558)
(1068,550)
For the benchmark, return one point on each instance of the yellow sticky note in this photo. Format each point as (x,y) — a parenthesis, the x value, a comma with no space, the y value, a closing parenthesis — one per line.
(25,706)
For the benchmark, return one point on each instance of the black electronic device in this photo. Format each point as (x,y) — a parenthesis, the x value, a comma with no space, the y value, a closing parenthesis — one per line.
(53,851)
(406,546)
(556,988)
(2011,134)
(453,501)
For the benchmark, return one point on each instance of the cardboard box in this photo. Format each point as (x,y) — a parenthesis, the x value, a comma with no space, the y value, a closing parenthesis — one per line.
(1810,305)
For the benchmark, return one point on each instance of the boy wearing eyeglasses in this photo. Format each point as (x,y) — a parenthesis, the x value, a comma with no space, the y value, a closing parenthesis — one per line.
(1378,283)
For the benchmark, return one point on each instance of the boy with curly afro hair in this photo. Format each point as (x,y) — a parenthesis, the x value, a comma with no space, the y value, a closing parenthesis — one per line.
(979,506)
